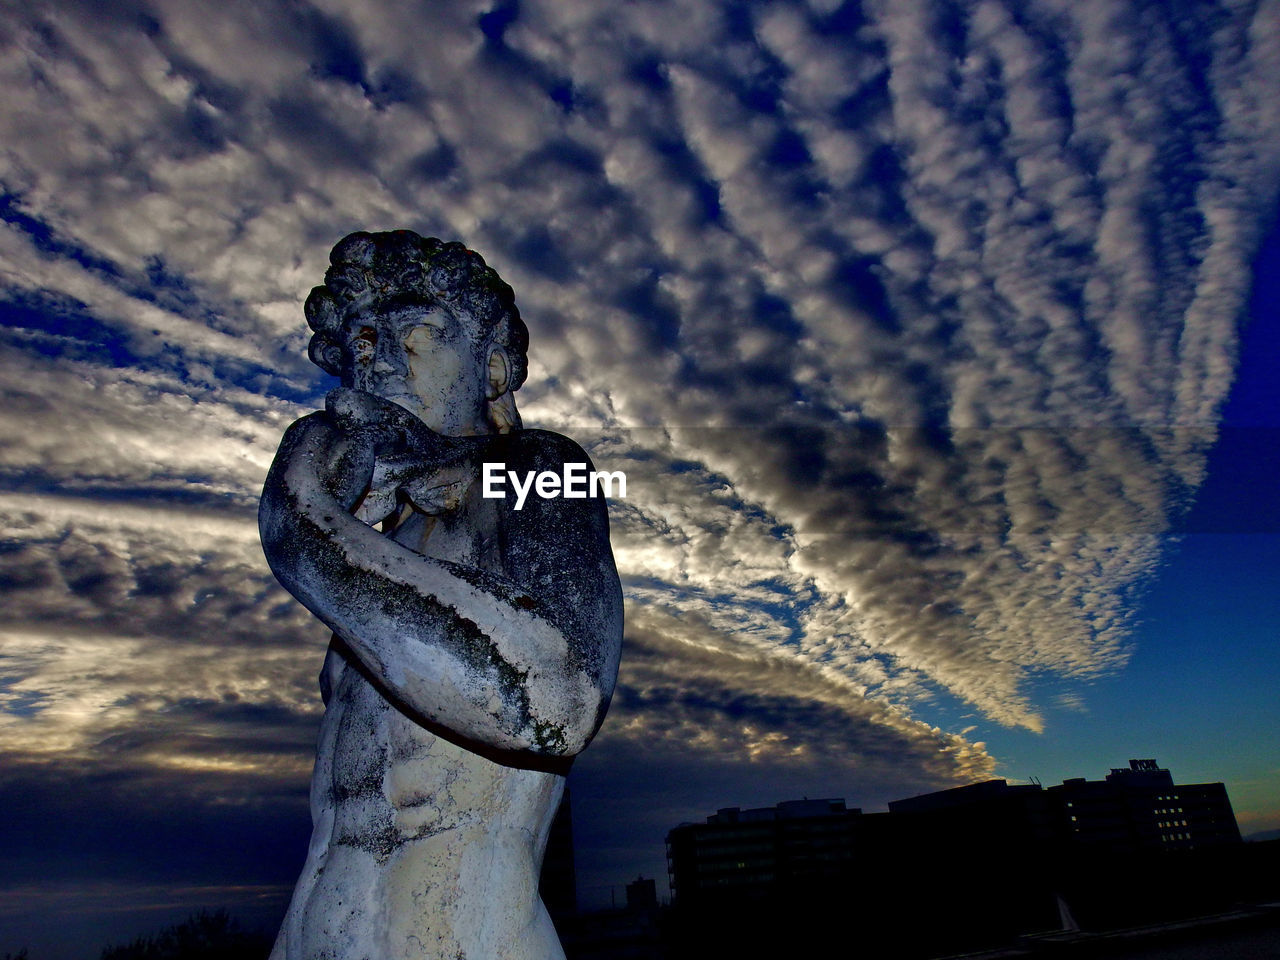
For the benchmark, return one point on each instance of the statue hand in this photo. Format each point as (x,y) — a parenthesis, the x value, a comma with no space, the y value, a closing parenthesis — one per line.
(391,428)
(343,462)
(411,461)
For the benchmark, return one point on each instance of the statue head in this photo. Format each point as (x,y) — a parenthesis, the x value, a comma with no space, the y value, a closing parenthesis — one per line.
(425,324)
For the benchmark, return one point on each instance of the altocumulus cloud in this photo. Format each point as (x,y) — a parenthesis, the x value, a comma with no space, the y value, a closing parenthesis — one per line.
(910,323)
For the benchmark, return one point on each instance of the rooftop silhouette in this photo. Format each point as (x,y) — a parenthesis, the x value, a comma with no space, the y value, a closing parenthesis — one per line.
(959,869)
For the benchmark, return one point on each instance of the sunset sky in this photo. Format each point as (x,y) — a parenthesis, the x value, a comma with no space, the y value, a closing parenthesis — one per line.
(938,341)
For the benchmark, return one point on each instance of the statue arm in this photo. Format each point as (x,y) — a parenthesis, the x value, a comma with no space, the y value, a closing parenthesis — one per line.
(522,666)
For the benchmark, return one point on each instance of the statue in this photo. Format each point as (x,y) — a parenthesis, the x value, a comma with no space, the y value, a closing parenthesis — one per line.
(475,644)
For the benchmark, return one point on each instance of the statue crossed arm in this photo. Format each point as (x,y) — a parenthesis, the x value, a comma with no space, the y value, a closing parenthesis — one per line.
(475,645)
(512,659)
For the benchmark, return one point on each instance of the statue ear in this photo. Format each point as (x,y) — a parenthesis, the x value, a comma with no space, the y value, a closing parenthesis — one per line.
(326,353)
(499,373)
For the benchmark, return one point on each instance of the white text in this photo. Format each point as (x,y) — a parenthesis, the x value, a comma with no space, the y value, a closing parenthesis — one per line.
(574,483)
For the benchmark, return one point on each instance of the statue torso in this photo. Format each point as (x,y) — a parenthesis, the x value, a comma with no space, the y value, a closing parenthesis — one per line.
(416,819)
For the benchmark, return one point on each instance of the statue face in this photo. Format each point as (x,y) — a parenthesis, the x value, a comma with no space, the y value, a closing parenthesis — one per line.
(425,357)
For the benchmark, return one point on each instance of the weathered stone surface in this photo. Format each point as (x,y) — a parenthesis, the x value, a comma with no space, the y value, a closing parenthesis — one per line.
(475,646)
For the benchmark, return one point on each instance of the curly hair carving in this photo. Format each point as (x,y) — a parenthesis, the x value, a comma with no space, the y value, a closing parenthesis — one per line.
(372,269)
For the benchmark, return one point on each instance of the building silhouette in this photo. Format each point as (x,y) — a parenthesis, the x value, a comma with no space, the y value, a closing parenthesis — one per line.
(628,933)
(631,932)
(954,869)
(753,853)
(1141,808)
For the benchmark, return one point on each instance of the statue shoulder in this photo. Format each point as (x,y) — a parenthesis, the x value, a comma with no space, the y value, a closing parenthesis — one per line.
(539,450)
(549,485)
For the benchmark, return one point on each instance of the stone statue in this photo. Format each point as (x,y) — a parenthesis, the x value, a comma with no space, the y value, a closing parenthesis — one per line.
(475,644)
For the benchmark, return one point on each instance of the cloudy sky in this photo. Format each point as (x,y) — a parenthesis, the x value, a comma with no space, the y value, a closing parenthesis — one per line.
(923,331)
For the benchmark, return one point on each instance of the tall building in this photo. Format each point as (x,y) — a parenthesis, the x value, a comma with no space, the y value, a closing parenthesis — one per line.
(954,869)
(756,853)
(1136,808)
(768,882)
(1140,808)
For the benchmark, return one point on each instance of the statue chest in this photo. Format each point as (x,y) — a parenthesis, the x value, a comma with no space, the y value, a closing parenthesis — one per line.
(470,535)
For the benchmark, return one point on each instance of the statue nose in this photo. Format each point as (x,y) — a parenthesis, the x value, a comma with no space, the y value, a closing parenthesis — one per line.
(389,360)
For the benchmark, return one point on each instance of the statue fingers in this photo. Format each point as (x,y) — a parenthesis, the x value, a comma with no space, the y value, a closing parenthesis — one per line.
(378,503)
(347,468)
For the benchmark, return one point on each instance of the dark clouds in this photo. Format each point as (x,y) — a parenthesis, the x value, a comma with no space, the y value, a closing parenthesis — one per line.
(909,322)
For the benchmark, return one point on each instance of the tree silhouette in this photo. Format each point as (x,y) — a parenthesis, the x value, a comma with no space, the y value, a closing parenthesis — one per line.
(206,935)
